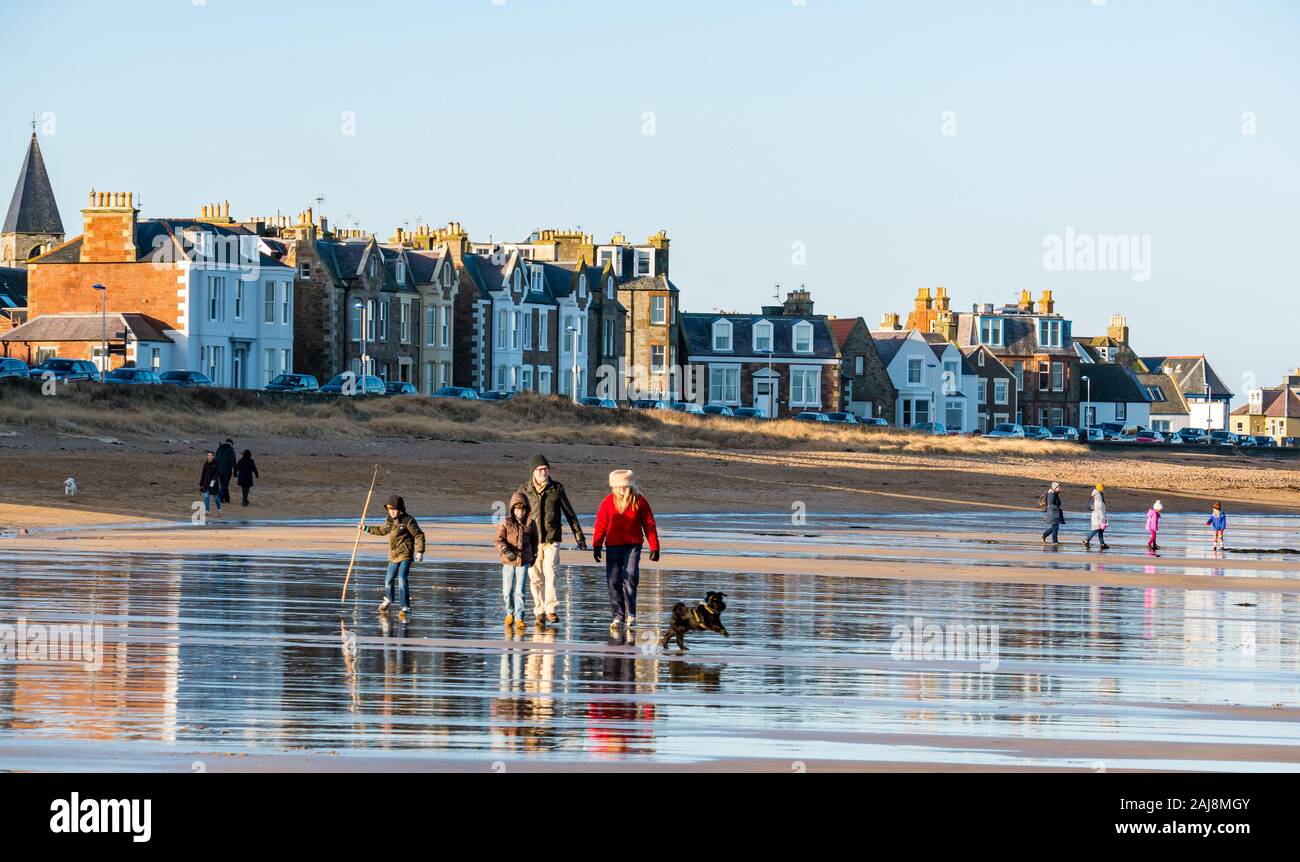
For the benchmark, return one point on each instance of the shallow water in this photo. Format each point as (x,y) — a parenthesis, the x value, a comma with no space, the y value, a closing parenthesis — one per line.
(211,656)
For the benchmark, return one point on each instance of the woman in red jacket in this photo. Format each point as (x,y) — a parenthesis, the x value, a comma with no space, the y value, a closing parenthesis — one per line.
(623,518)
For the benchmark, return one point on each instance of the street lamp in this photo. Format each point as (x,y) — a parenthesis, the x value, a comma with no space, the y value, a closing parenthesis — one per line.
(575,360)
(103,331)
(1087,404)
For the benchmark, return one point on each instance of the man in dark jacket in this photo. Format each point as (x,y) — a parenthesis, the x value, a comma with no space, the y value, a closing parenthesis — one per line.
(405,543)
(1053,514)
(547,501)
(209,484)
(225,467)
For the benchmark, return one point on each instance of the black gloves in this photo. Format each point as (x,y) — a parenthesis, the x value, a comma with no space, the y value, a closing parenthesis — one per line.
(654,556)
(582,544)
(595,552)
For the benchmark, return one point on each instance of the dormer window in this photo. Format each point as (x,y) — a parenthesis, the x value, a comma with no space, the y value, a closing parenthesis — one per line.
(609,287)
(763,336)
(644,262)
(401,273)
(722,336)
(1049,333)
(374,269)
(803,337)
(991,331)
(519,280)
(537,278)
(582,287)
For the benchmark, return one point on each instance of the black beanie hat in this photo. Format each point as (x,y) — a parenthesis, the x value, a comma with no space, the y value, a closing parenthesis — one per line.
(538,461)
(397,503)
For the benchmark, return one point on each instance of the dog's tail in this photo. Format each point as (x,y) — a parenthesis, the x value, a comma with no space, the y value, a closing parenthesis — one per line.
(679,611)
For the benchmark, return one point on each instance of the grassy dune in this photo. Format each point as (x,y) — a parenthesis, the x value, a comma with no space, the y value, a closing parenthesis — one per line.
(161,410)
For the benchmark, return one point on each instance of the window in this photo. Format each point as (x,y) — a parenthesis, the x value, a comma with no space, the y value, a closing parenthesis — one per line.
(1058,377)
(528,330)
(215,288)
(373,267)
(1044,376)
(1000,393)
(953,414)
(286,361)
(239,299)
(582,287)
(1121,411)
(659,310)
(502,319)
(544,381)
(983,390)
(430,328)
(1049,333)
(405,323)
(516,330)
(914,372)
(543,320)
(951,375)
(609,288)
(643,262)
(1058,416)
(611,336)
(371,306)
(805,387)
(383,320)
(519,279)
(268,303)
(401,272)
(429,378)
(857,365)
(286,303)
(991,331)
(763,336)
(354,322)
(526,377)
(155,358)
(803,337)
(304,270)
(1020,379)
(724,384)
(980,359)
(445,313)
(657,359)
(721,335)
(501,378)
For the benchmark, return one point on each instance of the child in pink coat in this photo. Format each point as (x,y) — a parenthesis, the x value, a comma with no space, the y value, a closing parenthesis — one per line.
(1153,524)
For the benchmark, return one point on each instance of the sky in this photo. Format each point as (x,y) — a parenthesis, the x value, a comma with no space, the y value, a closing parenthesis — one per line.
(861,149)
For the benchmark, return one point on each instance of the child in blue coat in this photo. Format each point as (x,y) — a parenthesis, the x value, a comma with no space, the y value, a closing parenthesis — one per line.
(1219,522)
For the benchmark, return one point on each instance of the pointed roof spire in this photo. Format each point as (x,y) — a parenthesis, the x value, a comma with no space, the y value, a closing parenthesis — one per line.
(33,209)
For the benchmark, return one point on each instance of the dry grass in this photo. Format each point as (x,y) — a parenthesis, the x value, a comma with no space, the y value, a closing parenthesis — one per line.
(163,410)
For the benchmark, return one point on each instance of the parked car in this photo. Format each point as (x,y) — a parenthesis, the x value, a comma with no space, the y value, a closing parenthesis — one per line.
(367,385)
(845,418)
(649,404)
(456,392)
(293,383)
(400,387)
(1037,432)
(1146,435)
(1264,441)
(875,421)
(686,407)
(496,395)
(930,428)
(718,410)
(1172,439)
(133,377)
(1193,435)
(1007,429)
(749,413)
(1092,434)
(1111,429)
(184,378)
(65,369)
(603,403)
(1063,432)
(1290,442)
(15,369)
(1128,433)
(811,416)
(1220,437)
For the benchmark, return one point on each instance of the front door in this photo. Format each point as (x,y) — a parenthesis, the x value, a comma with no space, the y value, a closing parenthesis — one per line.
(765,395)
(240,362)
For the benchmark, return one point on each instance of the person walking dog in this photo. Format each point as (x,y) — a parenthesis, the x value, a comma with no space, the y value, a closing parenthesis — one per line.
(405,544)
(547,501)
(624,522)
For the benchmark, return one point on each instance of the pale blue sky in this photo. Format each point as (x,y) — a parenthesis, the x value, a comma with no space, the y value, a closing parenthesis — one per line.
(774,124)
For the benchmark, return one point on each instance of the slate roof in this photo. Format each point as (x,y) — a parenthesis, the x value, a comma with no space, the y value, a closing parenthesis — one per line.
(32,208)
(87,327)
(1173,403)
(13,287)
(1019,334)
(153,234)
(889,342)
(1274,405)
(1114,382)
(1190,373)
(698,332)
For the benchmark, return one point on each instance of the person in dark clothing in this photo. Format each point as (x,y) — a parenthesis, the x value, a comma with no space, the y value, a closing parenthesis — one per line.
(209,484)
(405,543)
(225,467)
(1053,514)
(245,471)
(547,501)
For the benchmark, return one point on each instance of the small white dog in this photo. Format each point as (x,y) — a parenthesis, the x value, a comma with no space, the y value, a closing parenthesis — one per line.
(69,487)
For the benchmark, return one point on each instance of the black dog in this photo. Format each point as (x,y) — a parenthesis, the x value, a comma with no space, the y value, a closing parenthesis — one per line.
(706,616)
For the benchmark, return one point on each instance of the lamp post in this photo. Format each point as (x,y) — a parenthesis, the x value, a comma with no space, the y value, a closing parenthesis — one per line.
(1087,404)
(103,331)
(575,360)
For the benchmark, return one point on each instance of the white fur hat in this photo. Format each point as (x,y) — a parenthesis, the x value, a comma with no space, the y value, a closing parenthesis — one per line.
(620,479)
(1158,506)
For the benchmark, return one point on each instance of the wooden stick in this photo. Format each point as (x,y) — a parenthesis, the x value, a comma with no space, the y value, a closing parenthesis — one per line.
(343,599)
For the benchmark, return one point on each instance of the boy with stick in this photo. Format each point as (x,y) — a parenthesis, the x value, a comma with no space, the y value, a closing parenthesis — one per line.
(405,543)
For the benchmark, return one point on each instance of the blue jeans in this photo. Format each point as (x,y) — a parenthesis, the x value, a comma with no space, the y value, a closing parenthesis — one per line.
(1052,530)
(210,497)
(622,572)
(400,570)
(1098,534)
(512,589)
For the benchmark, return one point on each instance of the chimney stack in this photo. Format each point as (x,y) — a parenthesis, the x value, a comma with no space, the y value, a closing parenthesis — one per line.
(1046,305)
(109,228)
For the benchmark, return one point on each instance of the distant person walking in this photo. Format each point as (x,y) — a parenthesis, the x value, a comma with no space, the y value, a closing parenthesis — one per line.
(225,467)
(624,522)
(245,472)
(547,501)
(1218,521)
(1098,518)
(209,483)
(1053,514)
(517,545)
(405,544)
(1153,524)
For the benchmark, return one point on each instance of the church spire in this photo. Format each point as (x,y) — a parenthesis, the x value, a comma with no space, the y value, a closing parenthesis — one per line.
(33,209)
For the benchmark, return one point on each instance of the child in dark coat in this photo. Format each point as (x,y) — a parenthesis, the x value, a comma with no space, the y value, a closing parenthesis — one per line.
(517,545)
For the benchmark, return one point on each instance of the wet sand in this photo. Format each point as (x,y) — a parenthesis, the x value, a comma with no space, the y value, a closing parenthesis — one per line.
(226,649)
